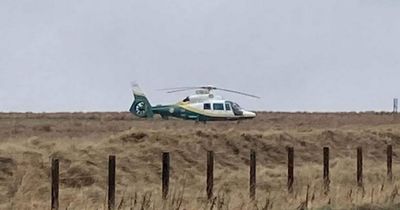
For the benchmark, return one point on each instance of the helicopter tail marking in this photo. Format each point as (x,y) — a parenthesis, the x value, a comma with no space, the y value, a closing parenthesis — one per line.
(141,107)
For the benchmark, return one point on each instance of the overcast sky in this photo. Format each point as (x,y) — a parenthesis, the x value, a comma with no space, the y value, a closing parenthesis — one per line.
(81,55)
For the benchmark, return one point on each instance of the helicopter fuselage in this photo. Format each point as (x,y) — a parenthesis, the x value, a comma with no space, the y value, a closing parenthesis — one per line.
(197,107)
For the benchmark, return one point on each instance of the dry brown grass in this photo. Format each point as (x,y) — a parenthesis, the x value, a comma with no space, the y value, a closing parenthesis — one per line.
(83,142)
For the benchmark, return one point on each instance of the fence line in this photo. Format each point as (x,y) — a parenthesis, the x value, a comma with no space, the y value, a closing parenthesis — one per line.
(359,167)
(290,163)
(252,174)
(389,153)
(54,184)
(210,174)
(165,175)
(326,169)
(111,182)
(55,179)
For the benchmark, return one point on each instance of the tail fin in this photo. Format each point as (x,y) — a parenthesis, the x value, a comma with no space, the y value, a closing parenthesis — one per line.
(140,106)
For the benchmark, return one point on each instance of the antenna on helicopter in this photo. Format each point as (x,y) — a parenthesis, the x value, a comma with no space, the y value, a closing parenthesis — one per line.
(209,88)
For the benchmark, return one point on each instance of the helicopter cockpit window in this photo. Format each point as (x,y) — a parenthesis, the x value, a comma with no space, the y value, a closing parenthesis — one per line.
(227,107)
(207,106)
(237,110)
(186,99)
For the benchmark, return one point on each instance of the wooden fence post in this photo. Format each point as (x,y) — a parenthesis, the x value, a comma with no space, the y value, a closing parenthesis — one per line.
(165,175)
(210,174)
(111,182)
(326,168)
(290,169)
(389,153)
(252,174)
(54,184)
(359,167)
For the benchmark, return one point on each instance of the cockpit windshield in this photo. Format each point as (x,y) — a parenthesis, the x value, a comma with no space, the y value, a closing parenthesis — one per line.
(236,106)
(237,110)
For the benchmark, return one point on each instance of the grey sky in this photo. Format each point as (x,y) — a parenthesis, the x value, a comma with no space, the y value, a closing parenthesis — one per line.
(80,55)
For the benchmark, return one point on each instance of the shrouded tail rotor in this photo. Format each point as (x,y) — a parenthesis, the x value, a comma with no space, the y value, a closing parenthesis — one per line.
(140,109)
(141,106)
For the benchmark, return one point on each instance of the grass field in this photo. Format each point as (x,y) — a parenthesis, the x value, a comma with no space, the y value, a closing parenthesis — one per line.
(83,141)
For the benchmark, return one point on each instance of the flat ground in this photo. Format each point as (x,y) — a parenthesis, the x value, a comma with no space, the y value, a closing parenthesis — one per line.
(83,141)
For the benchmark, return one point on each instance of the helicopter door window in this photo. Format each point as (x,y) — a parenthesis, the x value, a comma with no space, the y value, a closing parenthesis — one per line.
(207,106)
(218,106)
(227,107)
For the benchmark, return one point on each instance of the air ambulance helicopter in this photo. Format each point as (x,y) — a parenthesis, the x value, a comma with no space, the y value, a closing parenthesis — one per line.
(202,106)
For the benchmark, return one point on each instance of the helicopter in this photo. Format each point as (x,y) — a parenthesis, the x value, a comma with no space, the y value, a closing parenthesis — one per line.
(202,106)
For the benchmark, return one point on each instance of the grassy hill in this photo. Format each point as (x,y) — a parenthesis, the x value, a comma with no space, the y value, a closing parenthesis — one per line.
(83,141)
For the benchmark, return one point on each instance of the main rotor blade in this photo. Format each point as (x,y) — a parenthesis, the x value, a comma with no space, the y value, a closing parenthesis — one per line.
(180,90)
(237,92)
(209,87)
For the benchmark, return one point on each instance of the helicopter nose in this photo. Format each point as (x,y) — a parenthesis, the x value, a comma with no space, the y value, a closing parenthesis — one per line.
(249,114)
